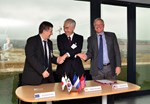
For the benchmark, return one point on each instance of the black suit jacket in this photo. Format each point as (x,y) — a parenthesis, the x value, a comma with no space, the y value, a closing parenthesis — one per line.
(34,62)
(72,64)
(113,52)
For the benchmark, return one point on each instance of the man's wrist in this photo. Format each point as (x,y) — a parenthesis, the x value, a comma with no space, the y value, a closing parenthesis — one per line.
(68,55)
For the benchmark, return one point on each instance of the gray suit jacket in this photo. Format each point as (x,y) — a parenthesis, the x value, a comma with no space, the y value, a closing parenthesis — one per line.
(113,52)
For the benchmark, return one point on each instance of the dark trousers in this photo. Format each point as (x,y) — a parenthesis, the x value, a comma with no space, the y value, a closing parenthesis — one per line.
(110,99)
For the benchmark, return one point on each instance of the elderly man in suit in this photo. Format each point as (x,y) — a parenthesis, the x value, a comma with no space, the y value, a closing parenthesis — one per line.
(70,44)
(38,51)
(103,50)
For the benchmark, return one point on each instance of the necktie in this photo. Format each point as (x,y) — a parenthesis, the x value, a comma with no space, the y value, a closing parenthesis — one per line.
(69,40)
(100,53)
(45,55)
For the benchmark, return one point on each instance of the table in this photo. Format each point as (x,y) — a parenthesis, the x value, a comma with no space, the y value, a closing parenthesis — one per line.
(26,93)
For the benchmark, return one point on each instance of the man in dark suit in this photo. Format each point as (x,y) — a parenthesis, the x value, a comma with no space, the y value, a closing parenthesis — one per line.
(70,44)
(111,59)
(39,56)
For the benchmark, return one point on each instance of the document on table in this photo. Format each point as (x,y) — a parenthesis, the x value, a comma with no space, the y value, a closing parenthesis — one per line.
(105,81)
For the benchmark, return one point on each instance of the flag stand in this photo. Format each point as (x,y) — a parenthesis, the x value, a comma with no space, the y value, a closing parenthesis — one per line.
(74,91)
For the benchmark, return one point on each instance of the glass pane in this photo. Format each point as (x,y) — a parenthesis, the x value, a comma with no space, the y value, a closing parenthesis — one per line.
(19,24)
(143,47)
(20,20)
(115,18)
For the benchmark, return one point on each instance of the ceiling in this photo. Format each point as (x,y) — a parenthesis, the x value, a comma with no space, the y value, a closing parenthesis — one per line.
(133,1)
(137,1)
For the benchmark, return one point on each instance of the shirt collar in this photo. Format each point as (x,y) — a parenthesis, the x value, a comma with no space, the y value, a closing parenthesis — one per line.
(102,33)
(42,38)
(71,36)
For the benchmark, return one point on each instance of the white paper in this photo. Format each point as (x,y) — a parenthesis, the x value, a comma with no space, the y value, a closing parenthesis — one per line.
(105,81)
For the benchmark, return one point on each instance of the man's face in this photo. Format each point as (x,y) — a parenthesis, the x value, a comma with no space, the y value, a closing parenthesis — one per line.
(99,26)
(68,28)
(48,33)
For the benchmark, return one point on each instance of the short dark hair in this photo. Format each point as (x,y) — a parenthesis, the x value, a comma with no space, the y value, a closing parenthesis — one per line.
(45,25)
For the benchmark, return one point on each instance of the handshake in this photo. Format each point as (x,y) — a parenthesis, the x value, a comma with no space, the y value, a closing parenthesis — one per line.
(61,59)
(82,56)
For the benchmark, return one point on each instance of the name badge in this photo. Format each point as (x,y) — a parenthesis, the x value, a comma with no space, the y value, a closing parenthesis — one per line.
(44,95)
(93,88)
(118,86)
(74,46)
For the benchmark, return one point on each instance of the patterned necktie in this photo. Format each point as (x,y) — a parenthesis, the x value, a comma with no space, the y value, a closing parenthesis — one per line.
(100,53)
(69,40)
(45,55)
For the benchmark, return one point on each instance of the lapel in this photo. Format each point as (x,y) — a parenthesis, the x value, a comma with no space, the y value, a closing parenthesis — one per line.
(40,45)
(95,43)
(50,47)
(74,38)
(65,39)
(107,42)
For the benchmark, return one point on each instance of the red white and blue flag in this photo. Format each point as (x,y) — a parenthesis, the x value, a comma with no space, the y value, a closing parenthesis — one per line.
(76,82)
(79,84)
(82,82)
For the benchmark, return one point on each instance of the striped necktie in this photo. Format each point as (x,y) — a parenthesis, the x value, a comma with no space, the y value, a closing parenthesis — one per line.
(69,40)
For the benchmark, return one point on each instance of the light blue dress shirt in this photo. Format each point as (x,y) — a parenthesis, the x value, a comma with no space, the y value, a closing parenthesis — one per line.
(105,51)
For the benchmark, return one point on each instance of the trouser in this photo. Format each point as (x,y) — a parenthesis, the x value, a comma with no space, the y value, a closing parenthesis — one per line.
(105,73)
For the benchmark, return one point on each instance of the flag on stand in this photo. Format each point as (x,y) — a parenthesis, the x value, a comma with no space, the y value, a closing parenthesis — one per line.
(69,85)
(76,82)
(63,83)
(82,83)
(66,78)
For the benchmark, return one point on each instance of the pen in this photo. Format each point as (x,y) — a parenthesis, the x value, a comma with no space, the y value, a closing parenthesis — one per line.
(46,69)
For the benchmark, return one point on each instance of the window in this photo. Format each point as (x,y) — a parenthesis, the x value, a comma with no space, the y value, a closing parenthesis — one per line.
(115,18)
(20,20)
(143,47)
(19,24)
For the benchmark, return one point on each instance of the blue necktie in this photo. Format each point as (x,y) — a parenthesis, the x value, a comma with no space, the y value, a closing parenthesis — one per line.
(45,55)
(100,53)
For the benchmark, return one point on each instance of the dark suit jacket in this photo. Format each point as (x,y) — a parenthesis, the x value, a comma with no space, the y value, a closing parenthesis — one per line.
(113,52)
(71,65)
(34,62)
